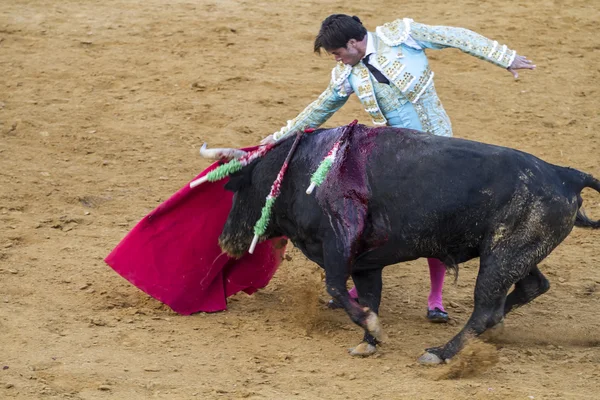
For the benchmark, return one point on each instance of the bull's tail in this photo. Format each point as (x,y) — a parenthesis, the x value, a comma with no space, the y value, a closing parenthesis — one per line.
(582,220)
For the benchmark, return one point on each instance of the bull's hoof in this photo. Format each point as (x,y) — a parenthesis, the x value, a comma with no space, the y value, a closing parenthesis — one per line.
(363,350)
(374,327)
(430,359)
(334,304)
(497,329)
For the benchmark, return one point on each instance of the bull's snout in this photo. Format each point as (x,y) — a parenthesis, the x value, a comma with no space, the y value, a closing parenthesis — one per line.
(233,246)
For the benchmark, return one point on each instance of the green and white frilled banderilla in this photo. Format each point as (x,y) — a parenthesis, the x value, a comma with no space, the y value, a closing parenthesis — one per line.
(238,160)
(321,173)
(261,225)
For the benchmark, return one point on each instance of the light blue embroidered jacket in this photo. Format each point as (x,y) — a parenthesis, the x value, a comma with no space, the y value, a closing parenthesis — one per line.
(409,100)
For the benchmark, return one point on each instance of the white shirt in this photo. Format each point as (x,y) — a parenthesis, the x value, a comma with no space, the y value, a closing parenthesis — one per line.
(370,45)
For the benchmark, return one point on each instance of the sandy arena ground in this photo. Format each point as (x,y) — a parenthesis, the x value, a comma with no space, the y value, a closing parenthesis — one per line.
(103,106)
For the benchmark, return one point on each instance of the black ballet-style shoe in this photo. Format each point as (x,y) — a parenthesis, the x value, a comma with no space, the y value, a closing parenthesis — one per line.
(438,316)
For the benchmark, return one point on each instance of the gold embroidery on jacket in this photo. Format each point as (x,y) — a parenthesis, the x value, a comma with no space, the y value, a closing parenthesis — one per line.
(366,94)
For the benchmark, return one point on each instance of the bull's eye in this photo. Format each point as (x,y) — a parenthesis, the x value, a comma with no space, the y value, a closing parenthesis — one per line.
(242,178)
(235,183)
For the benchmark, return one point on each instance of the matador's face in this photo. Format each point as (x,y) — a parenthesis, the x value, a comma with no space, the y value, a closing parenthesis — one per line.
(349,55)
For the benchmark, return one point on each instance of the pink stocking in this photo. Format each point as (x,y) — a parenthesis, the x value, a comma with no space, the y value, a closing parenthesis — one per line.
(437,272)
(353,293)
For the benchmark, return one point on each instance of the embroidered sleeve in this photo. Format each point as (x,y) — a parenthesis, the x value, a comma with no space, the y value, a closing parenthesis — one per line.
(440,37)
(320,110)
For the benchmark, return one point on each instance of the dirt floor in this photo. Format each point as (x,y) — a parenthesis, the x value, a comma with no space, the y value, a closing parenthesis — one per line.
(103,106)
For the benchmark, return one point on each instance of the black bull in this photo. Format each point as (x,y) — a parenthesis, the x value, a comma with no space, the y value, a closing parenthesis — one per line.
(398,195)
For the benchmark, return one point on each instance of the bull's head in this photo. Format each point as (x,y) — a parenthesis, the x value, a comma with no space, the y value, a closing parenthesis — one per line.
(237,232)
(219,154)
(245,211)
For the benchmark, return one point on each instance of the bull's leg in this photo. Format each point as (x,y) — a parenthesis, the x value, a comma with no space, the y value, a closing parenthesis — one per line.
(527,289)
(362,316)
(368,284)
(503,264)
(491,288)
(337,268)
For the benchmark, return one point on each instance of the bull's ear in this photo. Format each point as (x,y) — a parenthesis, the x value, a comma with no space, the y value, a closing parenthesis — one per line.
(241,179)
(235,182)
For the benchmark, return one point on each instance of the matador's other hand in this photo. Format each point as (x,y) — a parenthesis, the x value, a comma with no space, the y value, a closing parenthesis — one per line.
(520,62)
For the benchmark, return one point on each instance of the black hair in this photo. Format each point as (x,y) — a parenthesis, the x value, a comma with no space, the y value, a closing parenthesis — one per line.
(336,30)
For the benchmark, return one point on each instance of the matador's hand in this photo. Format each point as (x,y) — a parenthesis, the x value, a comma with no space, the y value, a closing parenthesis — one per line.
(520,62)
(268,140)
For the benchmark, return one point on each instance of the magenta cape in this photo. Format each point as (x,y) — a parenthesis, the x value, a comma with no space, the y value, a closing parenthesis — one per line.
(173,253)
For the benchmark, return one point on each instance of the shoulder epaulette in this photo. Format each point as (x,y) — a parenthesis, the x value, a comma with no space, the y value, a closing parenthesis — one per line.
(340,73)
(394,33)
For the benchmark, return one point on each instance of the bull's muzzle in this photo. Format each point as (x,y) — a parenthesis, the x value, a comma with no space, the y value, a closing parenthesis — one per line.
(234,247)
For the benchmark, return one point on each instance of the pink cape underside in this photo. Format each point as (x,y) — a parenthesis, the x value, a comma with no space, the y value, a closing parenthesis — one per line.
(173,254)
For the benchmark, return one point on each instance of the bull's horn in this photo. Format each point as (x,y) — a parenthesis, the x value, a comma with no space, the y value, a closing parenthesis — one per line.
(218,154)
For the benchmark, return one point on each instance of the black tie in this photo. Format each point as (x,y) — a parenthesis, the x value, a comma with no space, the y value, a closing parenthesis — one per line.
(376,73)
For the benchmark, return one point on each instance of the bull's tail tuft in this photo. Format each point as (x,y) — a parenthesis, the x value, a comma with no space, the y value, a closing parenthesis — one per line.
(451,265)
(582,219)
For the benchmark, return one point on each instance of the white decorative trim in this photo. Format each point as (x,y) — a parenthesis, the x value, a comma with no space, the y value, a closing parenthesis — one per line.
(280,133)
(377,64)
(368,86)
(493,49)
(512,58)
(504,48)
(394,41)
(344,74)
(408,84)
(382,36)
(393,77)
(366,82)
(425,87)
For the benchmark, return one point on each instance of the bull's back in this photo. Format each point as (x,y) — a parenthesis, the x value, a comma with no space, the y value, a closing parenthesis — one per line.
(453,191)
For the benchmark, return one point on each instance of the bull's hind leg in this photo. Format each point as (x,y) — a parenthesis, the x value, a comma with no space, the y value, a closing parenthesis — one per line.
(505,264)
(368,285)
(533,285)
(527,289)
(490,294)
